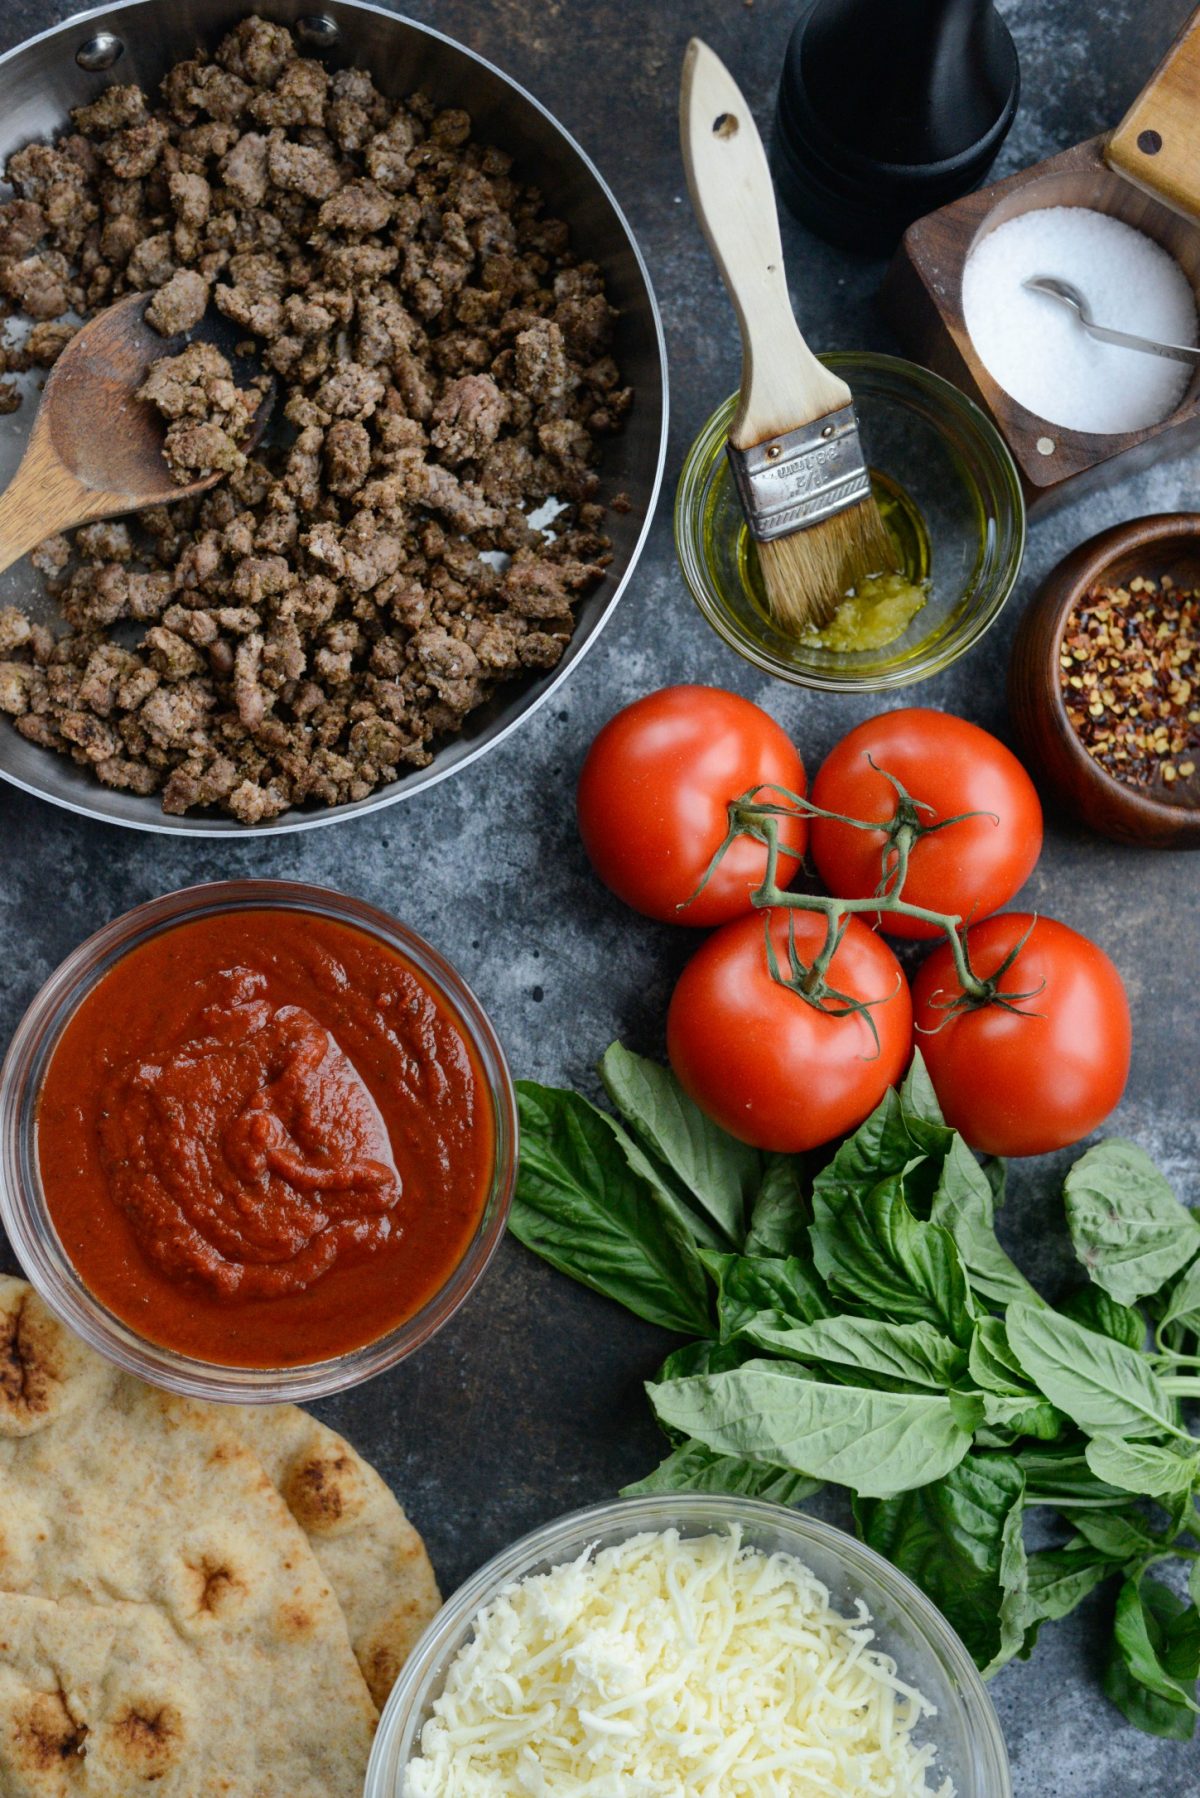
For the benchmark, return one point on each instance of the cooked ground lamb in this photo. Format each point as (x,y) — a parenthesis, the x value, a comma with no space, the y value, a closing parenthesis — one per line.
(321,617)
(209,414)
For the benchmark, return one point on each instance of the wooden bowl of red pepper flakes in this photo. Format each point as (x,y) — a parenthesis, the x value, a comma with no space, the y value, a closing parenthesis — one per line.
(1104,682)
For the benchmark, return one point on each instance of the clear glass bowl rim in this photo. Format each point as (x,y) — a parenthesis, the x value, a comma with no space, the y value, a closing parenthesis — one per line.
(567,1536)
(973,425)
(23,1209)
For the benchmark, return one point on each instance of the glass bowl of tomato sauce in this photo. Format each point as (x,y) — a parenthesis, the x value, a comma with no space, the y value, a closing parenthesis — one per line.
(257,1141)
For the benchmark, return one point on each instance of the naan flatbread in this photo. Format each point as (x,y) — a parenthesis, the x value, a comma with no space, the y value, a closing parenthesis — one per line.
(369,1551)
(117,1498)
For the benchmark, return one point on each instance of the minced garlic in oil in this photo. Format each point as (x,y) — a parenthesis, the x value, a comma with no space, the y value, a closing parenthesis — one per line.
(872,616)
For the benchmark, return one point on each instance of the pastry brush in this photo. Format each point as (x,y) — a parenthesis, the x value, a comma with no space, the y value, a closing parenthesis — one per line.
(793,444)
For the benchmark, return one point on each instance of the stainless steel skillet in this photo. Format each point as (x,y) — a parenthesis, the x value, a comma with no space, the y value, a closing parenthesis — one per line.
(42,79)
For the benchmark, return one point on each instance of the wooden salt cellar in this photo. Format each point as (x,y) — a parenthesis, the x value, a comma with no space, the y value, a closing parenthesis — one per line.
(1147,174)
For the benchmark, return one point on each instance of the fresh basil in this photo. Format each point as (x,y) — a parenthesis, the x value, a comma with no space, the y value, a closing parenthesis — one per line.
(909,1354)
(1183,1301)
(992,1364)
(1119,1535)
(959,1540)
(1058,1474)
(876,1256)
(964,1206)
(705,1357)
(581,1207)
(1143,1467)
(881,1145)
(1007,1417)
(878,1442)
(779,1214)
(750,1284)
(1093,1308)
(868,1328)
(1129,1230)
(1156,1638)
(1099,1383)
(694,1468)
(1060,1578)
(719,1173)
(917,1097)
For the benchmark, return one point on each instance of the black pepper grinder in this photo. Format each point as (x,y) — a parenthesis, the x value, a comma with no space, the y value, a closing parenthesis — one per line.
(889,109)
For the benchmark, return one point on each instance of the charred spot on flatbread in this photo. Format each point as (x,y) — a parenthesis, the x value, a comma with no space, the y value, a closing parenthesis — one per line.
(45,1734)
(31,1364)
(42,1366)
(219,1587)
(324,1491)
(149,1738)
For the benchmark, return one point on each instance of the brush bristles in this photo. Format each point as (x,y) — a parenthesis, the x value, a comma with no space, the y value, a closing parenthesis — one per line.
(808,574)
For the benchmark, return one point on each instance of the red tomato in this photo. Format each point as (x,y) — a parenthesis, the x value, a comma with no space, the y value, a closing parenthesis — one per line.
(968,869)
(654,795)
(1026,1082)
(766,1065)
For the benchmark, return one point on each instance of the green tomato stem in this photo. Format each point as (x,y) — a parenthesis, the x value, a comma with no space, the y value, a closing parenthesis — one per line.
(749,817)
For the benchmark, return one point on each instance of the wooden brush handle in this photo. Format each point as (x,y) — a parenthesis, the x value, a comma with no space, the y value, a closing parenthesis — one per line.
(783,384)
(1154,146)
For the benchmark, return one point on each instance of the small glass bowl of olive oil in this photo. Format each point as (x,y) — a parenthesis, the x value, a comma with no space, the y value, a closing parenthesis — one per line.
(950,497)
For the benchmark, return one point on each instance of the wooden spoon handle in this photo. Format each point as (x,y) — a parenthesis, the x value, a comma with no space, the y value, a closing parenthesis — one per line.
(783,384)
(43,497)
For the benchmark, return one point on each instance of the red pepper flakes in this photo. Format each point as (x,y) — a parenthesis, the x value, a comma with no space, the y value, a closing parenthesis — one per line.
(1129,667)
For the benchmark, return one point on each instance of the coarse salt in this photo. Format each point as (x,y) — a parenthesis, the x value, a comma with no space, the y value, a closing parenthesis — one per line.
(1037,348)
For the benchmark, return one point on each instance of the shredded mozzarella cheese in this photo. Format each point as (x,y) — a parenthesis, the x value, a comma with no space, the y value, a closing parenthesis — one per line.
(669,1667)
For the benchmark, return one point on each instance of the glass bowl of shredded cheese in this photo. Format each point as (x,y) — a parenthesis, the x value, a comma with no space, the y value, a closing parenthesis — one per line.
(689,1646)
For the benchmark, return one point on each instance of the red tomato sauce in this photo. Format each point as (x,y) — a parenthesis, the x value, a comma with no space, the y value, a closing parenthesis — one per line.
(264,1139)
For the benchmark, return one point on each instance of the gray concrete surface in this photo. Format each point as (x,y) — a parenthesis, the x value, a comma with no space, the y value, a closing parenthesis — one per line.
(530,1402)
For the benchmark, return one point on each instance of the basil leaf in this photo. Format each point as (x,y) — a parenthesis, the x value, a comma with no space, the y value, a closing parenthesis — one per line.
(878,1442)
(1058,1474)
(694,1225)
(995,1172)
(1129,1229)
(959,1540)
(1093,1308)
(1100,1384)
(1153,1715)
(1142,1467)
(1183,1301)
(1194,1583)
(1061,1578)
(992,1364)
(750,1284)
(881,1145)
(876,1257)
(913,1354)
(917,1097)
(1121,1535)
(963,1205)
(704,1357)
(581,1207)
(1156,1637)
(779,1215)
(693,1468)
(719,1172)
(1008,1417)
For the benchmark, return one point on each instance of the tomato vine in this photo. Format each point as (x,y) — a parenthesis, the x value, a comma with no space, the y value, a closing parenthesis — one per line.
(750,815)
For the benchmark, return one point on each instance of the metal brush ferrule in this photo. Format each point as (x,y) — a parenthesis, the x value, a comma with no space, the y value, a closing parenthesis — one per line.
(789,482)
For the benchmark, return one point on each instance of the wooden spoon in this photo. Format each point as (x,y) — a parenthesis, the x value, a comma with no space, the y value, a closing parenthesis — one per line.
(95,449)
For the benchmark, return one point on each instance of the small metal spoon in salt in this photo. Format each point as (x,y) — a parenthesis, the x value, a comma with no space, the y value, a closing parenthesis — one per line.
(1054,289)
